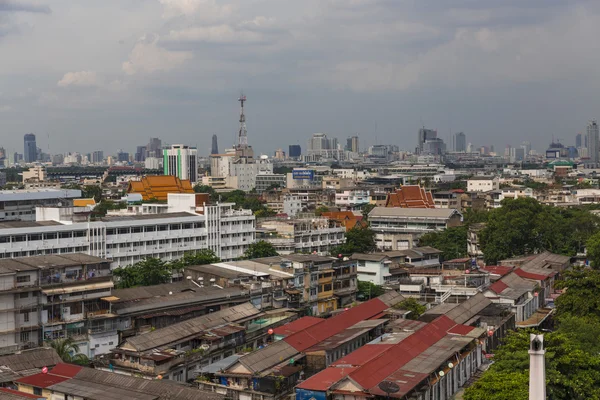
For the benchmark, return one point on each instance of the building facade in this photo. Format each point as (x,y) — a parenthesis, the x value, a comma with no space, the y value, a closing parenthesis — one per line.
(20,205)
(29,148)
(181,161)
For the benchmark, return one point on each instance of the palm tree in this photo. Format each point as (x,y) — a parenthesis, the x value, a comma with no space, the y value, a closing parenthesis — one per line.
(68,351)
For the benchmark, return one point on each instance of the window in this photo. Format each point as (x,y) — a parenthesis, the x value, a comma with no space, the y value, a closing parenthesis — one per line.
(24,295)
(25,337)
(23,278)
(25,316)
(37,391)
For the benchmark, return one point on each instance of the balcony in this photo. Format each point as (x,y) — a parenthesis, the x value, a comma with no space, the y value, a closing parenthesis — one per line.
(325,295)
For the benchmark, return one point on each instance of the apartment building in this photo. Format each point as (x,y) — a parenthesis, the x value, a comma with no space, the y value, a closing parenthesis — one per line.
(180,227)
(288,236)
(20,205)
(51,297)
(318,284)
(483,183)
(400,228)
(352,199)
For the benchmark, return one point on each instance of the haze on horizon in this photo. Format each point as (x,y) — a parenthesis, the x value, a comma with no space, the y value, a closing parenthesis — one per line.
(105,75)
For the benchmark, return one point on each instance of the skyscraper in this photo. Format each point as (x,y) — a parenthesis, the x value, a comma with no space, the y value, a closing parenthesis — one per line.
(294,151)
(97,157)
(526,148)
(215,146)
(140,154)
(352,144)
(425,134)
(460,142)
(592,140)
(154,148)
(30,149)
(181,161)
(578,140)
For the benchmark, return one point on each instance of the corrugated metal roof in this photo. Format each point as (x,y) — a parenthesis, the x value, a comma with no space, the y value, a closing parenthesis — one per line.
(325,379)
(296,326)
(10,394)
(164,336)
(30,361)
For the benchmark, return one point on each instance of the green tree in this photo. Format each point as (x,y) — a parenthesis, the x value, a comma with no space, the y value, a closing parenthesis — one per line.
(593,250)
(260,249)
(358,240)
(366,209)
(264,212)
(452,242)
(150,271)
(582,297)
(571,372)
(320,210)
(199,257)
(368,290)
(92,191)
(68,351)
(411,304)
(206,189)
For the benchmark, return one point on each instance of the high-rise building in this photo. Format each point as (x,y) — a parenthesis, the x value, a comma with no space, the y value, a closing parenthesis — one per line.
(460,142)
(30,148)
(592,139)
(97,157)
(215,145)
(424,135)
(526,146)
(122,156)
(295,151)
(352,144)
(578,141)
(140,154)
(154,148)
(181,161)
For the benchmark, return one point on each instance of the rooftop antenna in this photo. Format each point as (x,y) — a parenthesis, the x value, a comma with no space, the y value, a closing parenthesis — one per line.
(243,133)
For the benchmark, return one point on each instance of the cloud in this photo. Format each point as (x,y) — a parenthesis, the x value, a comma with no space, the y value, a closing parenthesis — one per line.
(23,6)
(247,32)
(205,9)
(148,57)
(5,108)
(80,79)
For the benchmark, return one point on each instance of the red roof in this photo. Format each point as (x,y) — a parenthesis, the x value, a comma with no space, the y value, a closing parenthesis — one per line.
(60,373)
(314,334)
(461,329)
(530,275)
(498,287)
(296,326)
(363,354)
(498,269)
(325,379)
(19,394)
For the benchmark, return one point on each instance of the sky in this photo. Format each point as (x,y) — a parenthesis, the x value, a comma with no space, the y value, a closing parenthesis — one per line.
(108,75)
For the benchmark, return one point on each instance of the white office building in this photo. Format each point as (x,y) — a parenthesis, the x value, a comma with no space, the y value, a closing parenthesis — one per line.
(181,161)
(155,230)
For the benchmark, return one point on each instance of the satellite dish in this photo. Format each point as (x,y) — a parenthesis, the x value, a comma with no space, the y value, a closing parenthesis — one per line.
(389,387)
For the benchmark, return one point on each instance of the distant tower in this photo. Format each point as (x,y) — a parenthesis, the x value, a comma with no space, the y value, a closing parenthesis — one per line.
(243,134)
(242,150)
(30,148)
(578,140)
(215,146)
(460,142)
(537,368)
(592,141)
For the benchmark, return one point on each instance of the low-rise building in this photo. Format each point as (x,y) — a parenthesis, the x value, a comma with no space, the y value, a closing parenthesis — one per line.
(351,199)
(483,183)
(288,236)
(306,347)
(44,298)
(399,228)
(20,205)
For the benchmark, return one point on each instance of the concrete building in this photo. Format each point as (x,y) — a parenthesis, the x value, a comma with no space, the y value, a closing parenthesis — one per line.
(351,199)
(165,231)
(294,151)
(51,297)
(265,181)
(318,235)
(20,205)
(424,135)
(181,161)
(400,228)
(483,183)
(36,173)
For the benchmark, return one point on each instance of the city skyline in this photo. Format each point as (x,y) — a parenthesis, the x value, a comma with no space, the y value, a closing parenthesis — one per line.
(172,73)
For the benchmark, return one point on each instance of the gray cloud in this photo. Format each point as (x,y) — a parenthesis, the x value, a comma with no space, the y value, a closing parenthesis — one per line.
(23,6)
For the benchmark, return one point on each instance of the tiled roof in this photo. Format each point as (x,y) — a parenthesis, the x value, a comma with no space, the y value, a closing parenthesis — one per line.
(410,196)
(157,187)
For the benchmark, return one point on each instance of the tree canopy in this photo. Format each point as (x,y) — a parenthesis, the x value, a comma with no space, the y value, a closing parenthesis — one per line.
(68,351)
(411,304)
(523,226)
(359,239)
(452,242)
(260,249)
(368,290)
